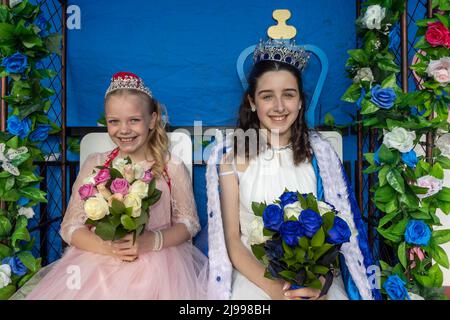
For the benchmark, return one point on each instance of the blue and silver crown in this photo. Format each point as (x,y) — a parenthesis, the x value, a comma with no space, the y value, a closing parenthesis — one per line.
(281,50)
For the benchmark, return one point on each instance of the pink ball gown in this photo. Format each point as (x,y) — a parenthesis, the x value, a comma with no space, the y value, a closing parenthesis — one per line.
(177,272)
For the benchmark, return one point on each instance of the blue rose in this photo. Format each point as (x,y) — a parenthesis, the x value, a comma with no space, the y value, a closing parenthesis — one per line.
(19,127)
(310,221)
(273,217)
(41,23)
(17,267)
(23,201)
(410,158)
(395,288)
(290,232)
(40,133)
(417,232)
(274,249)
(340,232)
(288,198)
(17,63)
(383,97)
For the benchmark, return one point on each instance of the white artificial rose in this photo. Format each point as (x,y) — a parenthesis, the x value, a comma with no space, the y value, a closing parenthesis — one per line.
(363,74)
(400,139)
(293,209)
(443,143)
(373,17)
(5,275)
(96,207)
(255,232)
(440,70)
(27,212)
(434,185)
(13,3)
(133,201)
(139,188)
(90,179)
(119,164)
(324,207)
(138,171)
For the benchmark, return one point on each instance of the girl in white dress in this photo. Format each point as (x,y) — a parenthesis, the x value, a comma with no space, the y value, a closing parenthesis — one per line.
(294,158)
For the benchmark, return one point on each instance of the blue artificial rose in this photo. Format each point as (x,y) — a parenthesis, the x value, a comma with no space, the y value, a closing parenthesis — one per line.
(23,201)
(288,198)
(41,23)
(19,127)
(290,232)
(395,288)
(310,221)
(273,217)
(17,63)
(383,97)
(417,232)
(340,232)
(17,267)
(410,158)
(274,249)
(40,133)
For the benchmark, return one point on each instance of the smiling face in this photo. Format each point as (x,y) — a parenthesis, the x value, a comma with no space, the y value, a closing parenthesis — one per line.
(277,100)
(129,122)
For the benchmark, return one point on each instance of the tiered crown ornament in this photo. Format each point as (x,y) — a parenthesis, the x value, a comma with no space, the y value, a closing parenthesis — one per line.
(281,47)
(127,80)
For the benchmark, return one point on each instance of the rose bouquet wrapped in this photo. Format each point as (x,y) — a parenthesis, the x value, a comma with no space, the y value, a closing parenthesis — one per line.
(117,197)
(298,239)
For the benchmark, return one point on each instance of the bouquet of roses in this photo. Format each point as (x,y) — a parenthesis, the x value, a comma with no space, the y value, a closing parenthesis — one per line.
(117,197)
(298,239)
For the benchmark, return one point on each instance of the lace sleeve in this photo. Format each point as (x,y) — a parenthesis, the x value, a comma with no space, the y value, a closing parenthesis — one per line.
(75,216)
(184,209)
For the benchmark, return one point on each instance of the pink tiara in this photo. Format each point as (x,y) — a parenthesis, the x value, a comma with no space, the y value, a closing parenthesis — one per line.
(127,80)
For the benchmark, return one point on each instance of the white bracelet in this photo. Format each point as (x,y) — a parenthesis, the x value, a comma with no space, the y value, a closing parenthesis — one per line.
(157,246)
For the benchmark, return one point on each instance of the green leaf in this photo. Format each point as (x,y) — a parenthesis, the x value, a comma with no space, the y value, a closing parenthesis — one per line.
(5,251)
(128,222)
(105,230)
(303,243)
(258,251)
(387,218)
(443,161)
(317,269)
(425,281)
(318,239)
(384,194)
(20,232)
(368,107)
(155,197)
(328,221)
(388,65)
(287,275)
(28,260)
(322,250)
(395,180)
(115,173)
(258,208)
(390,81)
(5,227)
(401,252)
(442,19)
(384,266)
(7,292)
(386,155)
(440,256)
(117,207)
(33,193)
(53,43)
(359,56)
(352,94)
(382,175)
(436,275)
(437,171)
(441,236)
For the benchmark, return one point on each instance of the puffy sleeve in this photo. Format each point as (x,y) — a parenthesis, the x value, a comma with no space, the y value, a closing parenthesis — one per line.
(184,209)
(75,216)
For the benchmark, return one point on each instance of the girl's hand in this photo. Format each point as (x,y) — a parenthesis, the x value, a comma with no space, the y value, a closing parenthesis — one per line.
(303,293)
(125,249)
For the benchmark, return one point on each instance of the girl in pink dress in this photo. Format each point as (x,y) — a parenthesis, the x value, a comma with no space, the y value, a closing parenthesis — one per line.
(162,263)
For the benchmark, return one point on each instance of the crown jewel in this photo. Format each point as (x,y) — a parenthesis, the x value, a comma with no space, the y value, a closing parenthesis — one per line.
(127,80)
(281,50)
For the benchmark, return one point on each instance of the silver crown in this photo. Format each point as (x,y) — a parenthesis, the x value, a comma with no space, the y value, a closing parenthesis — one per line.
(281,50)
(127,80)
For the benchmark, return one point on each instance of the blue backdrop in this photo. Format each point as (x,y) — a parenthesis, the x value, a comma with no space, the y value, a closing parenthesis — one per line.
(186,52)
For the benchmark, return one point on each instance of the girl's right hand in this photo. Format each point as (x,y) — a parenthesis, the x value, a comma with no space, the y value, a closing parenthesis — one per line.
(123,249)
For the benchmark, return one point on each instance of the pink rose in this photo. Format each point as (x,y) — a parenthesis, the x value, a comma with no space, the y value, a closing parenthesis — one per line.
(120,186)
(148,176)
(433,185)
(102,176)
(87,191)
(437,34)
(440,70)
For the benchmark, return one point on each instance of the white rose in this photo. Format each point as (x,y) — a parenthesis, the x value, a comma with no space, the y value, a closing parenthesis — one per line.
(90,179)
(139,188)
(443,144)
(434,185)
(27,212)
(373,17)
(119,164)
(13,3)
(400,139)
(5,275)
(138,171)
(255,231)
(293,209)
(363,74)
(96,207)
(324,207)
(133,201)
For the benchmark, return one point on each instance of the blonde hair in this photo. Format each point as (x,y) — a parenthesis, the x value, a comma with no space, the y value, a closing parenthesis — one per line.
(158,141)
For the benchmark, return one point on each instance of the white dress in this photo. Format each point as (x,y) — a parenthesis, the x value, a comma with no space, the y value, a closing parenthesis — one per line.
(265,179)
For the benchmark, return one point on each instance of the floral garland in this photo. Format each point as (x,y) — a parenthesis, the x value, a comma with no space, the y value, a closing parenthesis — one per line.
(24,42)
(409,190)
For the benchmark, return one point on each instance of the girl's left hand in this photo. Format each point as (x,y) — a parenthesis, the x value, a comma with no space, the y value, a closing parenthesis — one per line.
(303,293)
(125,249)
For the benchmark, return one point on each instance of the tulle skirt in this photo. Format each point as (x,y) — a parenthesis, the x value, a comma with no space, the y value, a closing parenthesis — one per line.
(173,273)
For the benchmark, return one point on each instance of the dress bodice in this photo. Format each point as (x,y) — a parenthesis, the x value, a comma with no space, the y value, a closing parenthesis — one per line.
(266,178)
